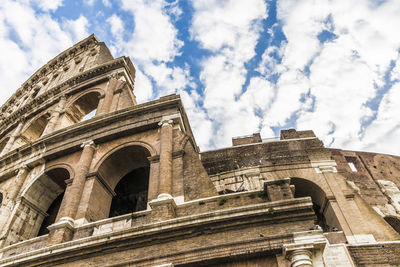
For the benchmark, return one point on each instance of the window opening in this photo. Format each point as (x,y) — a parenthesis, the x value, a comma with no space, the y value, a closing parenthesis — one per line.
(52,212)
(351,162)
(131,193)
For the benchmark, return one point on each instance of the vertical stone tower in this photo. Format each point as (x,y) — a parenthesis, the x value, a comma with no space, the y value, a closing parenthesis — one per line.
(88,177)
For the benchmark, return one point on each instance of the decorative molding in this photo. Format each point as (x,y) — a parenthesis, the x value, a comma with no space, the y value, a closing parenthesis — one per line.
(324,166)
(89,143)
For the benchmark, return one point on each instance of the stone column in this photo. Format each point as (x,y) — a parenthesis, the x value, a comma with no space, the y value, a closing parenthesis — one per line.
(115,101)
(13,137)
(306,246)
(75,193)
(165,187)
(300,258)
(100,105)
(108,97)
(9,201)
(51,125)
(62,230)
(18,182)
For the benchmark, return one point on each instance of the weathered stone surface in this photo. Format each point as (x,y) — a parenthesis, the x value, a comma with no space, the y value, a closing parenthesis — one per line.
(260,202)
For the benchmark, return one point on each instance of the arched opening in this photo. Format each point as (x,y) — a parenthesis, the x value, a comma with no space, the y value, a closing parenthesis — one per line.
(127,173)
(82,109)
(1,198)
(35,129)
(394,222)
(39,206)
(131,192)
(3,143)
(326,217)
(52,215)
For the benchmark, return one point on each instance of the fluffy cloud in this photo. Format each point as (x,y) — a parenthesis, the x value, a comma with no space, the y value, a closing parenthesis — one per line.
(48,5)
(31,39)
(229,29)
(332,83)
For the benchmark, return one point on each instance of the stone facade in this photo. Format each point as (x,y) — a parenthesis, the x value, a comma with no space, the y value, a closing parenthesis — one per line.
(88,177)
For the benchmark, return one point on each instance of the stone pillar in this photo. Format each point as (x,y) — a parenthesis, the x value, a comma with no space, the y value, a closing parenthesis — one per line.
(75,193)
(165,187)
(55,115)
(307,245)
(300,258)
(9,201)
(100,105)
(13,137)
(18,182)
(108,97)
(115,101)
(63,229)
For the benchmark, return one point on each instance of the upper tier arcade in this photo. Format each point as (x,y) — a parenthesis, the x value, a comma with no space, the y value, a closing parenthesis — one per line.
(83,81)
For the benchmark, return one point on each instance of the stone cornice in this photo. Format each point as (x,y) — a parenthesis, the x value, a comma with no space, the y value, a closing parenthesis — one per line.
(50,96)
(181,227)
(56,140)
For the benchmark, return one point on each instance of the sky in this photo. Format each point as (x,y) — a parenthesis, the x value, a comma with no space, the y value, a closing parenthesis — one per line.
(240,66)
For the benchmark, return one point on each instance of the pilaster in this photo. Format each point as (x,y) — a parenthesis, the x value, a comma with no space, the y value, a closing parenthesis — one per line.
(73,196)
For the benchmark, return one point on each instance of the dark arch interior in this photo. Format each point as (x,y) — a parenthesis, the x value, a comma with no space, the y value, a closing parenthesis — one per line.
(83,107)
(36,129)
(394,222)
(59,176)
(52,212)
(305,188)
(1,198)
(131,192)
(3,143)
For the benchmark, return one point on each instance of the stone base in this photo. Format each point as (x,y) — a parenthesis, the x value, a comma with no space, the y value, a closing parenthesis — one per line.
(163,208)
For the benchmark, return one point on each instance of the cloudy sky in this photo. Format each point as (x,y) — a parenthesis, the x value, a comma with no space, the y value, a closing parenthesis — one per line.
(240,66)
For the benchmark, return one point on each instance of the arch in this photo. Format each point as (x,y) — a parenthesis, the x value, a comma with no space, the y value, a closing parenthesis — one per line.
(117,147)
(3,143)
(81,107)
(126,169)
(394,222)
(43,197)
(35,128)
(67,167)
(122,161)
(326,217)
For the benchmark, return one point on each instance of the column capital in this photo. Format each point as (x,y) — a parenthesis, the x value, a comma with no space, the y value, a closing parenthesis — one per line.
(89,143)
(24,168)
(166,122)
(63,98)
(300,257)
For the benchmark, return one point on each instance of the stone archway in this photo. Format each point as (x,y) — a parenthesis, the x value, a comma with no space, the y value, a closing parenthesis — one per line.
(36,209)
(81,108)
(3,143)
(127,172)
(326,217)
(35,129)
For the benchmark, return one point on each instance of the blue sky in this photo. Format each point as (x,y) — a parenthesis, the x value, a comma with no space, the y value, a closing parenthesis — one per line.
(240,66)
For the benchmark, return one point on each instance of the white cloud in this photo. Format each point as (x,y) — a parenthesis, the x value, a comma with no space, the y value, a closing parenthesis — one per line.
(78,28)
(48,5)
(155,37)
(107,3)
(328,86)
(30,39)
(384,133)
(143,88)
(230,29)
(89,2)
(117,27)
